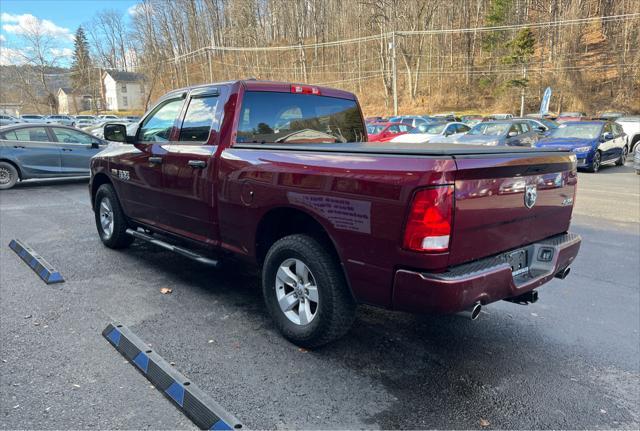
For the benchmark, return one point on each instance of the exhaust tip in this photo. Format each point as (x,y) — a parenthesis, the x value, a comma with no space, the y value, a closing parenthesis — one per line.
(475,311)
(562,274)
(472,312)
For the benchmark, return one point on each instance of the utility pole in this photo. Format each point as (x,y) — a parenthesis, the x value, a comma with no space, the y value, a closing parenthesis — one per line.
(524,76)
(394,73)
(210,70)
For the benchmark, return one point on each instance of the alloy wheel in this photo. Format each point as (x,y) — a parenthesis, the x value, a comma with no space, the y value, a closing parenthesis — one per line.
(297,291)
(106,217)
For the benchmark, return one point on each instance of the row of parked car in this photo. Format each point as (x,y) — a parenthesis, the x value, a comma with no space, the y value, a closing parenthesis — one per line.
(595,142)
(79,121)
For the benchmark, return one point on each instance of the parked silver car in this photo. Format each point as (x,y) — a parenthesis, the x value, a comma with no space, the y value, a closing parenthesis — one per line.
(44,151)
(636,159)
(6,120)
(33,118)
(65,120)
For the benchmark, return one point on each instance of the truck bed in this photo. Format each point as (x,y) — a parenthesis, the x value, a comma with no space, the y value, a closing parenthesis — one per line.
(398,148)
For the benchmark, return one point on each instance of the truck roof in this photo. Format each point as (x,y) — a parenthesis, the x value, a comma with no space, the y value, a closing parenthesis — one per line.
(261,85)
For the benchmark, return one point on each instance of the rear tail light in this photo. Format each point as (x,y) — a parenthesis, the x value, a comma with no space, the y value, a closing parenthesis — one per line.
(305,89)
(428,226)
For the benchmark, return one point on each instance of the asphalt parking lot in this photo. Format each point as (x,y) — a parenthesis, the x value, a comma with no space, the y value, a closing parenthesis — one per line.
(572,360)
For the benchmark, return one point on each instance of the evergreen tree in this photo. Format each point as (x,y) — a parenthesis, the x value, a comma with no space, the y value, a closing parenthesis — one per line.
(519,52)
(81,60)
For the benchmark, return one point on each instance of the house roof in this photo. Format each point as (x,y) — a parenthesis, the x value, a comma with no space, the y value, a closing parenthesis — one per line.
(67,90)
(125,76)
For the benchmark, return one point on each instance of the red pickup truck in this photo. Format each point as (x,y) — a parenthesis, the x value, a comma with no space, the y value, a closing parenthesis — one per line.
(279,175)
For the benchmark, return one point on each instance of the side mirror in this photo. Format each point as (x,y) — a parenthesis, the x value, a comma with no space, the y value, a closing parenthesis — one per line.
(607,136)
(512,134)
(115,132)
(541,129)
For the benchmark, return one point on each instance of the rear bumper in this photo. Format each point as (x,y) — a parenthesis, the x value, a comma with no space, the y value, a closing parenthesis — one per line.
(487,280)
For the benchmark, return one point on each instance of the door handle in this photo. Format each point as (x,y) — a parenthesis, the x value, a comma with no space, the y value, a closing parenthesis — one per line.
(197,163)
(67,149)
(157,160)
(18,146)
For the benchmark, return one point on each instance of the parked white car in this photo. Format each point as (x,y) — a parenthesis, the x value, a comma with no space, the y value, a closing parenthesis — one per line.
(424,133)
(107,117)
(6,120)
(85,121)
(631,126)
(65,120)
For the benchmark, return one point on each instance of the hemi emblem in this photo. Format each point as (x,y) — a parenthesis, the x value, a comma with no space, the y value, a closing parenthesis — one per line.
(530,195)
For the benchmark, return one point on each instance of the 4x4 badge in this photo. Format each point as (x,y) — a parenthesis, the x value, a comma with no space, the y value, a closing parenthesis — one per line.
(530,195)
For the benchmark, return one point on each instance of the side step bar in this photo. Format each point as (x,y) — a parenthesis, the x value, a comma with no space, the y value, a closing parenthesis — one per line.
(181,251)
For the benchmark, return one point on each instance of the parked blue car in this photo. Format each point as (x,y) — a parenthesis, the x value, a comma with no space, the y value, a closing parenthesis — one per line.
(594,143)
(44,151)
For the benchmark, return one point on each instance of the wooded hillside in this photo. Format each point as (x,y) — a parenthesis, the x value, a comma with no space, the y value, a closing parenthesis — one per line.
(450,55)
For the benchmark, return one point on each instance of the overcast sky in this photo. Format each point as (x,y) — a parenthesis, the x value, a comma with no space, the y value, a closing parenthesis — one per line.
(58,18)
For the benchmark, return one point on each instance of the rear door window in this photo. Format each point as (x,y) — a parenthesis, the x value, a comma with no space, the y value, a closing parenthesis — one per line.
(198,119)
(270,117)
(36,134)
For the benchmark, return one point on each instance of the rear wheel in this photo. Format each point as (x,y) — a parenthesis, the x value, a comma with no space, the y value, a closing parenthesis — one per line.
(305,292)
(110,220)
(595,163)
(8,175)
(623,157)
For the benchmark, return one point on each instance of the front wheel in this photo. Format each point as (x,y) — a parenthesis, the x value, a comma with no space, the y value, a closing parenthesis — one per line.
(305,292)
(595,163)
(110,220)
(623,157)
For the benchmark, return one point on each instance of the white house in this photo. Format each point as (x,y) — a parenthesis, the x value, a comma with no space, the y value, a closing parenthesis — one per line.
(123,91)
(72,103)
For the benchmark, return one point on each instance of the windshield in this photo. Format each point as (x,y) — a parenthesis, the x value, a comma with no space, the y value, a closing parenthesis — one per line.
(33,116)
(577,131)
(490,129)
(374,129)
(269,117)
(432,129)
(549,123)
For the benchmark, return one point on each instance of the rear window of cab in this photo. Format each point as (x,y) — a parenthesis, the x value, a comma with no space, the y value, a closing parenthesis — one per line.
(270,117)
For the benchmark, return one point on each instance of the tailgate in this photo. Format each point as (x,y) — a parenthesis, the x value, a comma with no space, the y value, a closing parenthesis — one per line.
(504,201)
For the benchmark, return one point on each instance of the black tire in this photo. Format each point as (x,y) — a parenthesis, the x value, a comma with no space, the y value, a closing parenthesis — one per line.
(117,238)
(9,175)
(596,162)
(335,310)
(623,156)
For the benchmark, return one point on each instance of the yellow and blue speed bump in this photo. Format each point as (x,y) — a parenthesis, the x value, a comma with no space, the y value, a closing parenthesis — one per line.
(198,406)
(36,262)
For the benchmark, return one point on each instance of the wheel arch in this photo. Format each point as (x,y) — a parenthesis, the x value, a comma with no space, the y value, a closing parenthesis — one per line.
(283,221)
(98,179)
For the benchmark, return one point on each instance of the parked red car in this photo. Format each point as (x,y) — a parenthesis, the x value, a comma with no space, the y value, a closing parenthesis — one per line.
(276,174)
(383,132)
(571,116)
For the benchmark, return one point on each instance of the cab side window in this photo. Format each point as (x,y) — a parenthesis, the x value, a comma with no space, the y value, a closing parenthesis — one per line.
(157,126)
(515,128)
(199,118)
(393,129)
